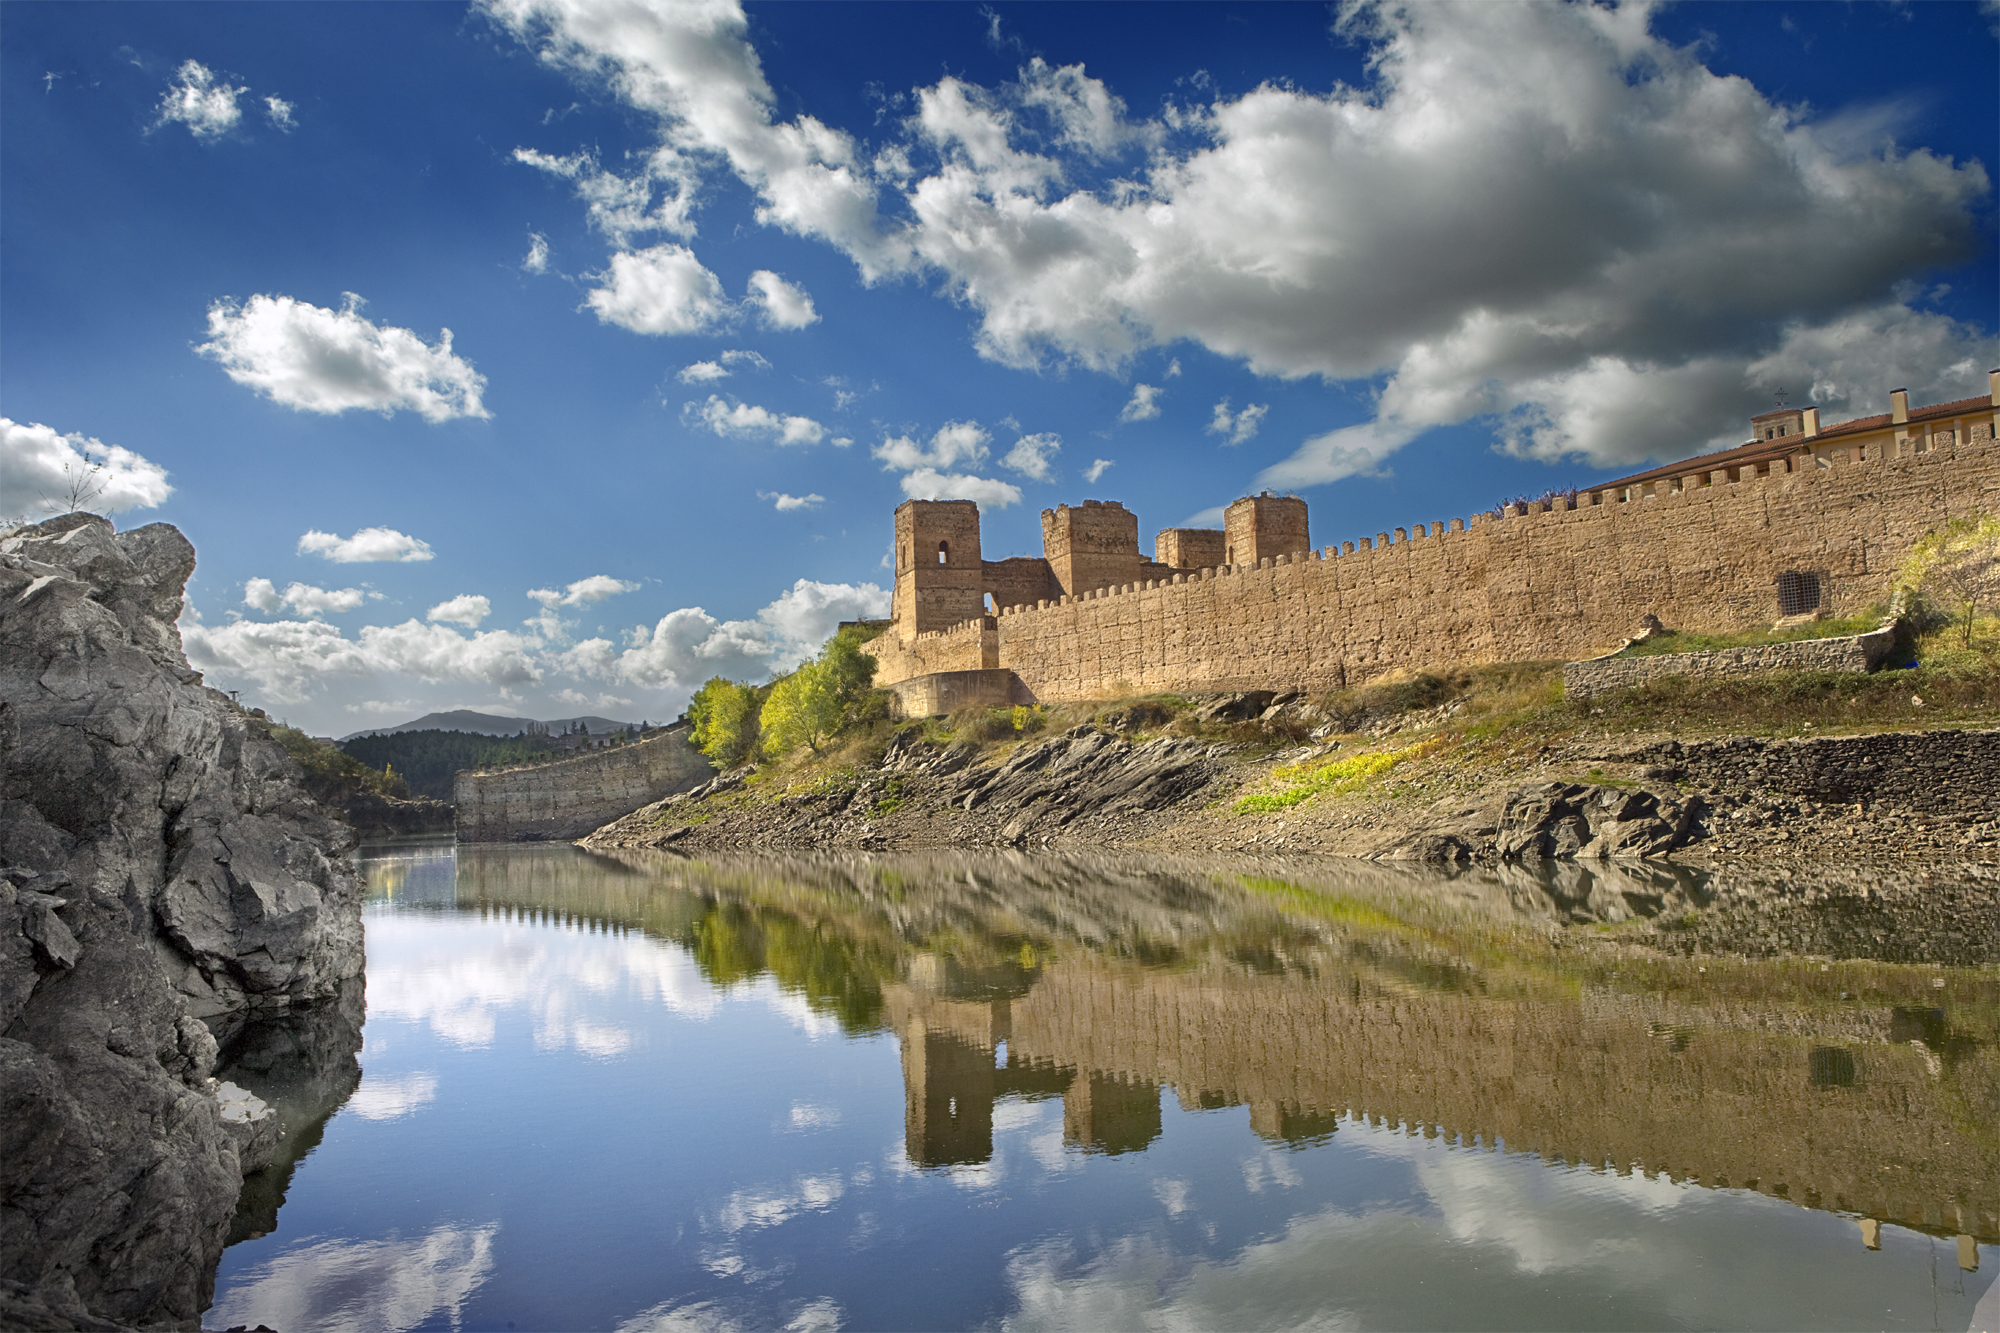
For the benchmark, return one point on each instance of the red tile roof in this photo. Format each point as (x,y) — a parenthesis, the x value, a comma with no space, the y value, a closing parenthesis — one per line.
(1757,451)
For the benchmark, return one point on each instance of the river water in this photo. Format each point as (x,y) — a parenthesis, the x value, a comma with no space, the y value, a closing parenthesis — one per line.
(1010,1091)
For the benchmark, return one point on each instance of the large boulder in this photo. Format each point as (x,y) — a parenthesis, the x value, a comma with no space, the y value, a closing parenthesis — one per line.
(162,877)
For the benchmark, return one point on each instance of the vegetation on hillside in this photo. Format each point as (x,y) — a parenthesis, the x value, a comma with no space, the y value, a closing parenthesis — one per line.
(331,776)
(428,760)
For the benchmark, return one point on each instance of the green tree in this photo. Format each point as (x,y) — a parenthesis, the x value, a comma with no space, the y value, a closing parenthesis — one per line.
(816,701)
(804,709)
(724,714)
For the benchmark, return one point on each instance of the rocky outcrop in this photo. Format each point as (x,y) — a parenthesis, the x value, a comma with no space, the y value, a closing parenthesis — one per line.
(1085,783)
(1559,821)
(164,872)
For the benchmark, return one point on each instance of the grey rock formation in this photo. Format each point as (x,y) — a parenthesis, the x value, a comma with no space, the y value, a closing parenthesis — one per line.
(162,868)
(1560,820)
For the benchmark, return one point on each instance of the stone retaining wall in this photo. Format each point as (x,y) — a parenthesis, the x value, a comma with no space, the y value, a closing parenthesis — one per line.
(1852,652)
(941,692)
(573,797)
(1942,773)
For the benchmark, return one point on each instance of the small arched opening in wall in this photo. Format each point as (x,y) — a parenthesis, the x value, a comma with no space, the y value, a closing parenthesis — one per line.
(1798,592)
(944,553)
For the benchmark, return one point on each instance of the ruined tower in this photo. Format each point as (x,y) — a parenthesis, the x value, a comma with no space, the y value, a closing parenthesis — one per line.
(1093,546)
(1258,527)
(940,578)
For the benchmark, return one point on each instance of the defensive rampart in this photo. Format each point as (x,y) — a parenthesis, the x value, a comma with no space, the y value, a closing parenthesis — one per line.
(1703,552)
(572,797)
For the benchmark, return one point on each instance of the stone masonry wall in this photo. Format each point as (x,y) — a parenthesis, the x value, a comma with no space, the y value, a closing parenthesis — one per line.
(567,799)
(1929,772)
(1702,552)
(1852,652)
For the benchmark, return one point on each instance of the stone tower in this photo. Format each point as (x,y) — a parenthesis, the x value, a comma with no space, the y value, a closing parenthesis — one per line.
(1095,545)
(1258,527)
(940,578)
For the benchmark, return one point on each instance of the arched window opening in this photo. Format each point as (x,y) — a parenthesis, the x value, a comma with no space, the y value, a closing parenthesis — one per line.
(944,553)
(1798,592)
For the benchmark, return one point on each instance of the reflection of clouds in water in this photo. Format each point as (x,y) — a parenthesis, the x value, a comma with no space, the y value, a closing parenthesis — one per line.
(762,1208)
(817,1316)
(1174,1195)
(1548,1219)
(362,1286)
(806,1117)
(794,1009)
(388,1098)
(1501,1224)
(457,975)
(1269,1167)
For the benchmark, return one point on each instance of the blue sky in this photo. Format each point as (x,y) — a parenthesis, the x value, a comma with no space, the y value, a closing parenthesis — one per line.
(725,284)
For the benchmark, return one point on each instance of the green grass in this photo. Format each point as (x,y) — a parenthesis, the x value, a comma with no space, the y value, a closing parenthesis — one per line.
(1335,775)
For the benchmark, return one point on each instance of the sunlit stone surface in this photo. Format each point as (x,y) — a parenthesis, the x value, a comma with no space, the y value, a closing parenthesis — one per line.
(956,1090)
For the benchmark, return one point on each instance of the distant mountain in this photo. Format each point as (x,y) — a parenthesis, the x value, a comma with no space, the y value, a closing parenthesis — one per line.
(490,724)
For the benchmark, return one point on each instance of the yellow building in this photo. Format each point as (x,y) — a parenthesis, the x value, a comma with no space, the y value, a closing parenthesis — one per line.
(1792,432)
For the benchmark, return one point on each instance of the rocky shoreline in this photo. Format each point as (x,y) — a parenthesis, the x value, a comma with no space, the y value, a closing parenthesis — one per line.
(169,891)
(1887,794)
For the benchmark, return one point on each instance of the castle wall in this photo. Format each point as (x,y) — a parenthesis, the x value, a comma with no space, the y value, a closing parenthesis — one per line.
(573,797)
(1191,548)
(1020,580)
(1701,551)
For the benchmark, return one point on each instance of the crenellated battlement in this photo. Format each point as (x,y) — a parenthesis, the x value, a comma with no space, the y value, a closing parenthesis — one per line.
(1707,548)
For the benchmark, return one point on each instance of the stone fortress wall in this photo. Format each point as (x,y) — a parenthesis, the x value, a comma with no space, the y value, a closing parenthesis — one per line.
(1704,550)
(574,797)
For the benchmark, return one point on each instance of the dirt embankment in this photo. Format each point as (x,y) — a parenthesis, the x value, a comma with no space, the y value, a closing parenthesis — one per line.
(1408,789)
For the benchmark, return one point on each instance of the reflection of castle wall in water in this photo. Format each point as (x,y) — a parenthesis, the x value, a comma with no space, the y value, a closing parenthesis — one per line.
(1866,1128)
(1833,1108)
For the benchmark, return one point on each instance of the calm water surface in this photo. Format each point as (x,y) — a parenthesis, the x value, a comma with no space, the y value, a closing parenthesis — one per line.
(1031,1092)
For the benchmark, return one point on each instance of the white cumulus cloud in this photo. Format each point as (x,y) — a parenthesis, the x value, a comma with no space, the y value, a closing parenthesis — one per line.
(1523,210)
(954,443)
(746,421)
(1143,406)
(583,592)
(537,258)
(313,359)
(43,472)
(688,646)
(1031,454)
(783,502)
(623,207)
(784,306)
(279,112)
(1096,469)
(200,101)
(303,598)
(369,545)
(1239,426)
(466,609)
(661,290)
(928,483)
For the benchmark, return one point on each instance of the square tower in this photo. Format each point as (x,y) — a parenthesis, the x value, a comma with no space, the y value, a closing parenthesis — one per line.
(1258,527)
(1190,548)
(940,578)
(1093,546)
